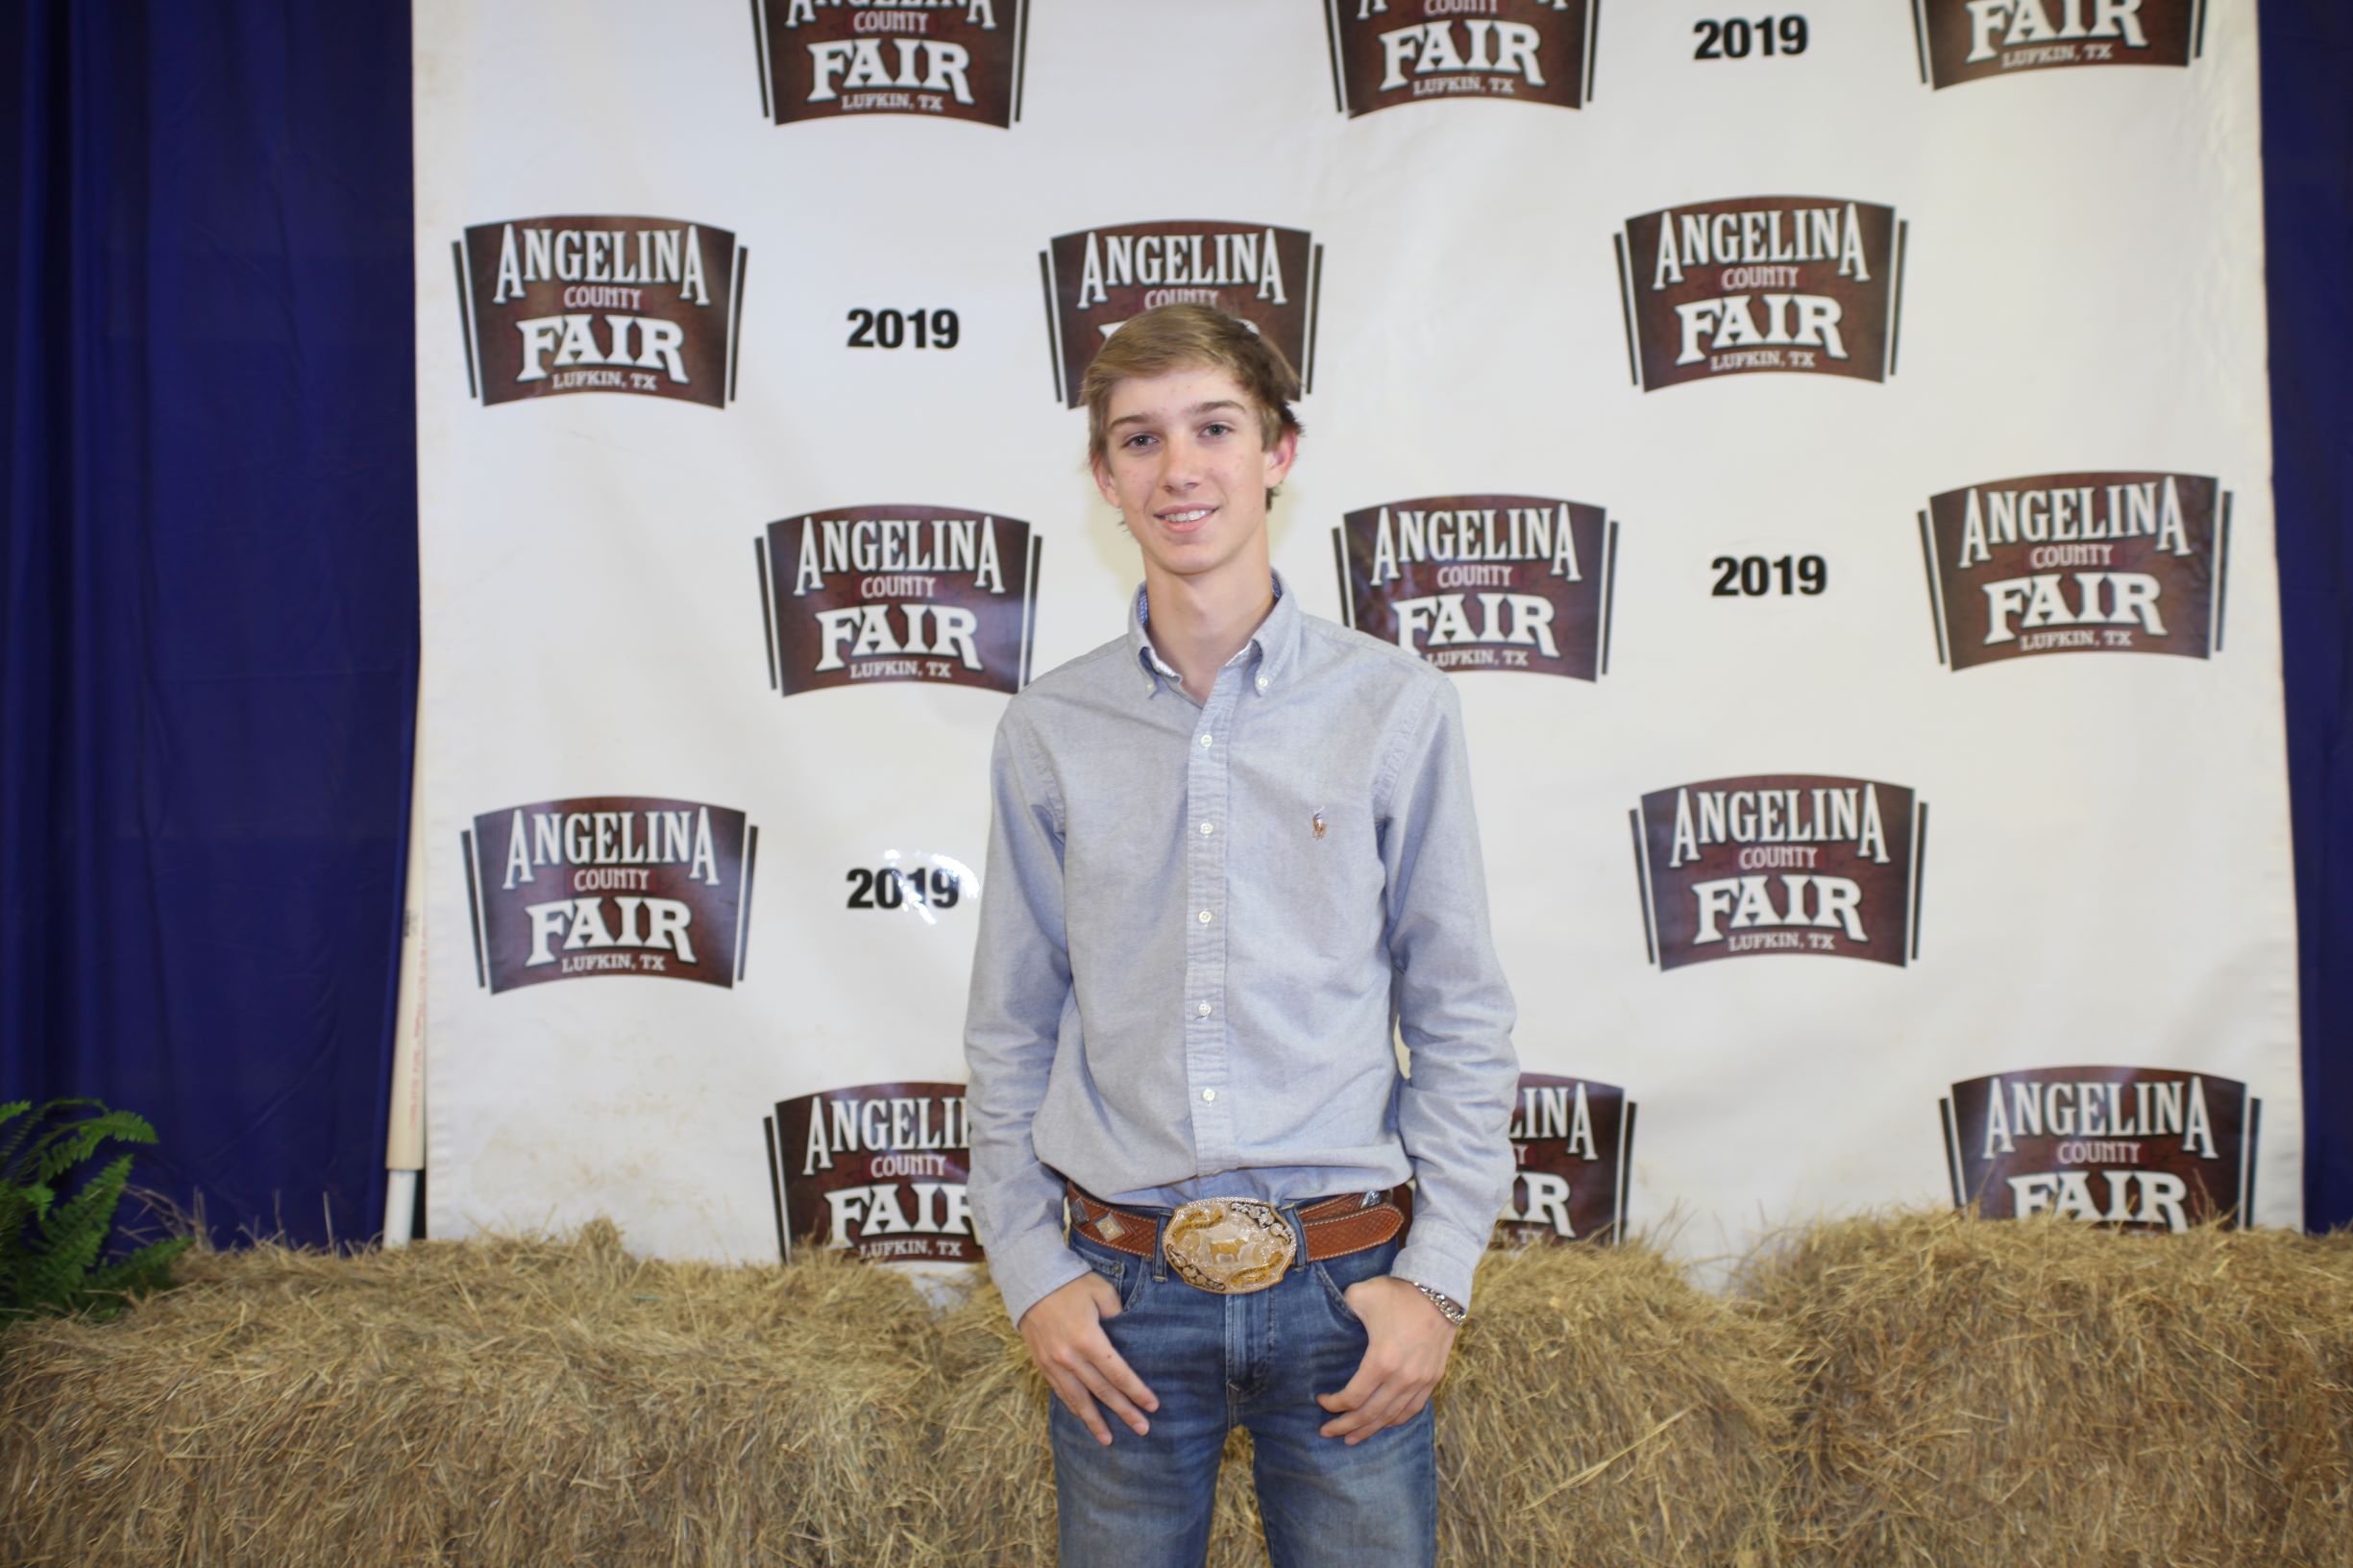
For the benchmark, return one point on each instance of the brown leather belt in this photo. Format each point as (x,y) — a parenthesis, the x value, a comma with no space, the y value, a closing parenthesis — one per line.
(1234,1245)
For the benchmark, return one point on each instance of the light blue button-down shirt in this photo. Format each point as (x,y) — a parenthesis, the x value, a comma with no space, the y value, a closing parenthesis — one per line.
(1199,924)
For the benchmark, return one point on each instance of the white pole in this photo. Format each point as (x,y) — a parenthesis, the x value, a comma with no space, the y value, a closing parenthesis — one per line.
(404,1137)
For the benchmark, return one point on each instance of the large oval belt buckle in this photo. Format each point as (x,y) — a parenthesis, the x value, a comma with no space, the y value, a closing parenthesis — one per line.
(1231,1246)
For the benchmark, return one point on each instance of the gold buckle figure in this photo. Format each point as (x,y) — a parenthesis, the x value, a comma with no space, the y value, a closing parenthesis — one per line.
(1229,1246)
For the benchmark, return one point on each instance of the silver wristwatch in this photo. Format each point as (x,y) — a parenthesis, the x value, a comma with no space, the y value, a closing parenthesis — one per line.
(1455,1312)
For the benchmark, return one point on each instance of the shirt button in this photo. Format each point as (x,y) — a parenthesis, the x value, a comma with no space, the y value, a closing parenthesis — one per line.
(1203,1009)
(1205,740)
(1204,917)
(1261,683)
(1206,828)
(1209,1093)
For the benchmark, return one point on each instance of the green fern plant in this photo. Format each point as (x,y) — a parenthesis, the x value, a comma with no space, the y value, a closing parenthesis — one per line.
(49,1248)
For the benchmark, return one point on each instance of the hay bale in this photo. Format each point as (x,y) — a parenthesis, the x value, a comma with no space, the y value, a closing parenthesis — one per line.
(1599,1411)
(1602,1410)
(506,1401)
(2311,1420)
(993,1465)
(1923,1389)
(2044,1393)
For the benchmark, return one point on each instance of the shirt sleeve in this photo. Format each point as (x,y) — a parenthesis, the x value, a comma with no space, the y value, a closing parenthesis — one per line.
(1013,1022)
(1453,1007)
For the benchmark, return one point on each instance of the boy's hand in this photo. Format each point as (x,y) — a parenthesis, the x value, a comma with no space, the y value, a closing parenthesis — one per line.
(1410,1343)
(1064,1334)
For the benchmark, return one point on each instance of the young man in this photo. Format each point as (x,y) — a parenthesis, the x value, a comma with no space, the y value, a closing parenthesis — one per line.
(1226,851)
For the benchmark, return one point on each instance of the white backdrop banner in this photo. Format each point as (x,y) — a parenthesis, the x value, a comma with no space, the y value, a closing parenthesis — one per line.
(1828,448)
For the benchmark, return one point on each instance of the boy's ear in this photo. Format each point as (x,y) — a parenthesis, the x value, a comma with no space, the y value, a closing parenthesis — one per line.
(1280,455)
(1102,481)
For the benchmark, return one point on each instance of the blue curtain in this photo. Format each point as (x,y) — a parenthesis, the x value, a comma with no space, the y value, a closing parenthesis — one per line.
(208,578)
(2308,238)
(208,593)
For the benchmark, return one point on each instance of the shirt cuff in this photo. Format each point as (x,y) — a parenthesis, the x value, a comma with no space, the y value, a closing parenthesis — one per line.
(1444,1259)
(1030,1267)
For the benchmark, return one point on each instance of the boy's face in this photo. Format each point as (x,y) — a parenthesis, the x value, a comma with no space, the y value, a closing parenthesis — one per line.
(1185,464)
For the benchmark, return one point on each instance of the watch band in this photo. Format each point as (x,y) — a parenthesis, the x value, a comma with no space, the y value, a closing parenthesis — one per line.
(1455,1312)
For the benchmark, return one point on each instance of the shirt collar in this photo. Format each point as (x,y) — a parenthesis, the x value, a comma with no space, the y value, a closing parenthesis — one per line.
(1273,646)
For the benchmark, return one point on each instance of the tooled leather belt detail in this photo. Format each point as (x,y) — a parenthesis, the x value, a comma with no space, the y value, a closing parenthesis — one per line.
(1231,1246)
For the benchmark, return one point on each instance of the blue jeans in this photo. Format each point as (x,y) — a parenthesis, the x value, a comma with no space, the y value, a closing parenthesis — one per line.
(1260,1360)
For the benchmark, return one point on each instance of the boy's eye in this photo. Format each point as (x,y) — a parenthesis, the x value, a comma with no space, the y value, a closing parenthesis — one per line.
(1136,440)
(1216,428)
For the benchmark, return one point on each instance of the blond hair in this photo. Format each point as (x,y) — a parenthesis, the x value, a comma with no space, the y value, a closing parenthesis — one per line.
(1188,337)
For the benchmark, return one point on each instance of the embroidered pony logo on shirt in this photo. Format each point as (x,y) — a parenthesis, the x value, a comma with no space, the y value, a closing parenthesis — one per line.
(1319,824)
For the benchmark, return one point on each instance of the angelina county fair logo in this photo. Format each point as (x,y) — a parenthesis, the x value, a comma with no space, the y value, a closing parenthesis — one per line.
(1098,279)
(1483,581)
(1780,863)
(932,593)
(879,1169)
(959,59)
(2144,1147)
(1802,283)
(2103,562)
(1574,1141)
(614,883)
(1968,41)
(1520,51)
(649,306)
